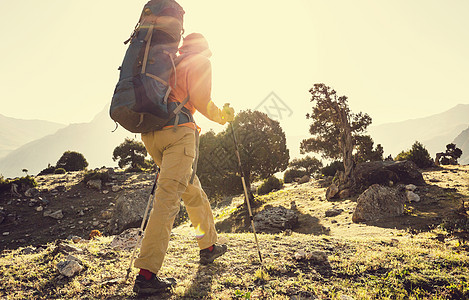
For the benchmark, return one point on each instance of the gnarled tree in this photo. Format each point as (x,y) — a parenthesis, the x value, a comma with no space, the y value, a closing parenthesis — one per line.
(334,129)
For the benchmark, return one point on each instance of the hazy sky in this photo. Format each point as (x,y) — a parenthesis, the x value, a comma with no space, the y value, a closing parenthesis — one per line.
(395,60)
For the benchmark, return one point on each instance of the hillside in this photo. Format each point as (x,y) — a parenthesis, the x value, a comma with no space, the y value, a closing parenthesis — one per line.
(435,132)
(95,140)
(462,142)
(407,257)
(15,132)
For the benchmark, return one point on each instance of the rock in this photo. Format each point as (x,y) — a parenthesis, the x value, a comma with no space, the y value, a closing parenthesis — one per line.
(304,179)
(43,200)
(115,188)
(28,250)
(379,202)
(106,214)
(410,187)
(275,219)
(58,215)
(2,216)
(60,188)
(39,208)
(6,233)
(69,267)
(382,172)
(333,212)
(67,248)
(344,194)
(129,210)
(31,192)
(95,184)
(332,191)
(105,192)
(411,196)
(126,240)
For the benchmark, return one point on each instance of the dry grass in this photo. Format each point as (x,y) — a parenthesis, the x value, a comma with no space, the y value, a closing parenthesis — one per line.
(361,261)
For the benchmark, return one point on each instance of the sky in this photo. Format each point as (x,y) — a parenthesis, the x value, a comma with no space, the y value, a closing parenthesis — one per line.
(395,60)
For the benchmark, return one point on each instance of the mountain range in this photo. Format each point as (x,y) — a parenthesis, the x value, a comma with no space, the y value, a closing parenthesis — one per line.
(45,142)
(95,140)
(14,133)
(434,132)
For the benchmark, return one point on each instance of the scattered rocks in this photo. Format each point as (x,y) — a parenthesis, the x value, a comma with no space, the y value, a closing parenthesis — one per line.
(379,202)
(58,215)
(333,212)
(275,219)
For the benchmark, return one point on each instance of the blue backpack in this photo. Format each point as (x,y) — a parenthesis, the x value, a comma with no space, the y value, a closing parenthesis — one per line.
(139,103)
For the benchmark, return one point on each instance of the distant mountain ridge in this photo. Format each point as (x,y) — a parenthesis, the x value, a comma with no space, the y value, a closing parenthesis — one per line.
(462,142)
(95,140)
(434,132)
(14,133)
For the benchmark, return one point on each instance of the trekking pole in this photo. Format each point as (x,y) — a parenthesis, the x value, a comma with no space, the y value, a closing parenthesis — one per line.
(246,192)
(140,231)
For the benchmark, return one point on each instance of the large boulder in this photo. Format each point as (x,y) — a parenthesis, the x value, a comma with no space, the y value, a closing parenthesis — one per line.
(379,202)
(275,219)
(129,210)
(387,173)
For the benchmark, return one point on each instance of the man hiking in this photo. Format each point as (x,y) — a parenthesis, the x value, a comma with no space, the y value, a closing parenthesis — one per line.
(174,149)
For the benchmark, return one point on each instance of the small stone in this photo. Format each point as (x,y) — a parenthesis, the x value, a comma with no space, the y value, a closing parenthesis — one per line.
(6,233)
(80,222)
(411,196)
(333,212)
(69,267)
(28,250)
(304,179)
(31,192)
(39,208)
(69,248)
(115,188)
(55,215)
(410,187)
(81,213)
(300,255)
(95,184)
(95,223)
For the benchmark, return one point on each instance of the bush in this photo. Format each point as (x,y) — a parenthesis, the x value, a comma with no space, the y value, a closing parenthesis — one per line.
(60,171)
(72,161)
(23,183)
(270,184)
(418,154)
(291,174)
(47,171)
(332,168)
(96,175)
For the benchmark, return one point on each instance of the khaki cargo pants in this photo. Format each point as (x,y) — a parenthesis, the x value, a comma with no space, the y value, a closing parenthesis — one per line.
(173,150)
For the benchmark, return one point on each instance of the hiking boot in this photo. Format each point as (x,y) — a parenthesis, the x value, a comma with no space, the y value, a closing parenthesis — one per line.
(153,286)
(207,256)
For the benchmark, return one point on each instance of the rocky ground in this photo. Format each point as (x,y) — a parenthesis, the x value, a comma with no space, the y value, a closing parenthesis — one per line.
(323,256)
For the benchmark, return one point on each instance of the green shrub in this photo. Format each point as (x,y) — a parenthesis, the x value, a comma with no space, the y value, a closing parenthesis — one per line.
(60,171)
(270,184)
(72,161)
(332,168)
(47,171)
(23,183)
(291,174)
(96,175)
(418,154)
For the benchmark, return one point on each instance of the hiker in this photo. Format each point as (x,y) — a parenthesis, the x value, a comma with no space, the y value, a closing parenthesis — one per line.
(174,149)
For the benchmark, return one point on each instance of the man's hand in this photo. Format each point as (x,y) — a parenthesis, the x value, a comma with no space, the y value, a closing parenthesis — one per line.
(227,113)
